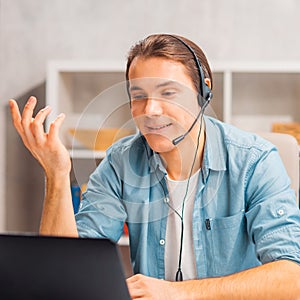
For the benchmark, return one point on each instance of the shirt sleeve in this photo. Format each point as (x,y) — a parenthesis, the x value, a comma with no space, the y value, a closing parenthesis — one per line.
(102,213)
(273,218)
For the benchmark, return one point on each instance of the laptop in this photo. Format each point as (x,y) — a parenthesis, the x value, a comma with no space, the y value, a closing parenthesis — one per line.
(40,267)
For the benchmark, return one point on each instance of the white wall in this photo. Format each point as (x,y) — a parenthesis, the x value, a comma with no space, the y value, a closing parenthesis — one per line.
(35,31)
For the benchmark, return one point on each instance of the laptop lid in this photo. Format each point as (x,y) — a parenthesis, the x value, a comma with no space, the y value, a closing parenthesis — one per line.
(39,267)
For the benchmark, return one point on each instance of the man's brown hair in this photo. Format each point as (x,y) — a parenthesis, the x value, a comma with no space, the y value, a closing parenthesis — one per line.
(169,47)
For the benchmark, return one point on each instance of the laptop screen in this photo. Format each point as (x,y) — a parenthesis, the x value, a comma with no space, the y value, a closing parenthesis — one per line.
(39,267)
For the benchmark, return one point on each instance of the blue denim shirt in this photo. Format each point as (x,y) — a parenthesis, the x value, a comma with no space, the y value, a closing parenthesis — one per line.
(245,212)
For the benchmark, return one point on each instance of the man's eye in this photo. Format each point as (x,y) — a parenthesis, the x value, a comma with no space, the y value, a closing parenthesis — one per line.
(168,94)
(138,97)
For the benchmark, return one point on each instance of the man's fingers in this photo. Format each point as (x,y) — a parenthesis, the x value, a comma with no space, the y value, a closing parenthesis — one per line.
(135,286)
(37,127)
(31,129)
(27,113)
(53,134)
(16,116)
(27,117)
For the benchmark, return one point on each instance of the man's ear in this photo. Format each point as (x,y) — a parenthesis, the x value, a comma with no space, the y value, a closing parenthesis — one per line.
(208,82)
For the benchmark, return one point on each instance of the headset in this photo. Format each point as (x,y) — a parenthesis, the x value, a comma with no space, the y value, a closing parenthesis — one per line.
(204,95)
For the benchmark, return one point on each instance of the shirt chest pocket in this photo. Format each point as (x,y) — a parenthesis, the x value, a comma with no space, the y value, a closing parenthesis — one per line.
(227,243)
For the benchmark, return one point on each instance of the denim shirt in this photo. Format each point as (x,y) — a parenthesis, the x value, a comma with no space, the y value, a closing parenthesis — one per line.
(245,212)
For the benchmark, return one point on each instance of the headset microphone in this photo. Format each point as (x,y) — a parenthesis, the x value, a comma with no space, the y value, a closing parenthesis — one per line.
(181,137)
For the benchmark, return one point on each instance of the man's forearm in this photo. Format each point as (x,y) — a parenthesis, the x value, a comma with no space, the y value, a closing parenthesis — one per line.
(58,216)
(276,280)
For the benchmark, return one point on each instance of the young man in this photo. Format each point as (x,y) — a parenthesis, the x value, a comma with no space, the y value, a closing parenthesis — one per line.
(203,201)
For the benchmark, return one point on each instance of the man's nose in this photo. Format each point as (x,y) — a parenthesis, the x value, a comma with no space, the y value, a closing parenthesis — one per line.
(153,107)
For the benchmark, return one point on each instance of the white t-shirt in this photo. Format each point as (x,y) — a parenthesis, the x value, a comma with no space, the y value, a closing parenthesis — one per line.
(177,190)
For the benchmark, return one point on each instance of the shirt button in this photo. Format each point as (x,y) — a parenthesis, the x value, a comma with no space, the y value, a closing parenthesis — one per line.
(162,242)
(167,200)
(280,212)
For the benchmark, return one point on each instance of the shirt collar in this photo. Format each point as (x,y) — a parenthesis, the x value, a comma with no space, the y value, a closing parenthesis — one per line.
(155,161)
(214,152)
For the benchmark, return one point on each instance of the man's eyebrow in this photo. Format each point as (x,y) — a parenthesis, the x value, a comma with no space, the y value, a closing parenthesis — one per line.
(166,83)
(135,88)
(163,84)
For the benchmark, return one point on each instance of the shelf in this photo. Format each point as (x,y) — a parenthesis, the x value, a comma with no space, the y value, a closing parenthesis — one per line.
(240,89)
(86,66)
(86,154)
(249,94)
(256,66)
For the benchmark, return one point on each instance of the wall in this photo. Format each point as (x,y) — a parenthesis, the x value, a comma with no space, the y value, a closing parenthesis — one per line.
(35,31)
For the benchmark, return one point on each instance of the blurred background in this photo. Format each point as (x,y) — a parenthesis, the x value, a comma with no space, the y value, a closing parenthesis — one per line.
(34,32)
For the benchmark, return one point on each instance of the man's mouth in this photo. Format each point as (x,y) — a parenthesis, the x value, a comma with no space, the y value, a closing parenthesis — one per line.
(157,127)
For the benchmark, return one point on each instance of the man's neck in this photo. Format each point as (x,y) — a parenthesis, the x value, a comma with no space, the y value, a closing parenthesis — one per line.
(180,162)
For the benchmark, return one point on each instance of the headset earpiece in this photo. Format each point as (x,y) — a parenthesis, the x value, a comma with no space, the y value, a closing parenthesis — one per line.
(205,94)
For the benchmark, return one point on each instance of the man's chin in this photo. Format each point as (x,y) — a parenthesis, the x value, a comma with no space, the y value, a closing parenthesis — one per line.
(159,143)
